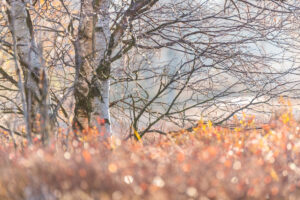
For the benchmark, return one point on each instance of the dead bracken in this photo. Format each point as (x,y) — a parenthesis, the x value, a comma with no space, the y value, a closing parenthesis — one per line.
(210,162)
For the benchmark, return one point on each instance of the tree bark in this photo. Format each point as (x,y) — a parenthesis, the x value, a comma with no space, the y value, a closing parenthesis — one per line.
(30,58)
(93,68)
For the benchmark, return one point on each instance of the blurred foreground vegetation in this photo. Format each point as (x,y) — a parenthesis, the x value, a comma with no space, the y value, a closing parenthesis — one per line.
(211,162)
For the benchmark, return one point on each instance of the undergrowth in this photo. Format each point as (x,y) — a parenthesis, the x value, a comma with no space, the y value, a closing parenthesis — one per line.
(210,162)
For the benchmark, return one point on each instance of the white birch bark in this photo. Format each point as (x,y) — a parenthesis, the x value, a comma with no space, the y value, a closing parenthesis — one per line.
(93,85)
(26,46)
(102,38)
(31,62)
(84,62)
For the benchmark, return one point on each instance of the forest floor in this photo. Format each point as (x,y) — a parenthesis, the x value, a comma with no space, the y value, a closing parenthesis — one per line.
(210,162)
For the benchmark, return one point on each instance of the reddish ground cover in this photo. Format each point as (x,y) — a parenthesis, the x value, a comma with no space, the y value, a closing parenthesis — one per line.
(208,163)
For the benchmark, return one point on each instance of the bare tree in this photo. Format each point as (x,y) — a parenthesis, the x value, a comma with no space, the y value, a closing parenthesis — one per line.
(29,56)
(230,56)
(93,70)
(149,62)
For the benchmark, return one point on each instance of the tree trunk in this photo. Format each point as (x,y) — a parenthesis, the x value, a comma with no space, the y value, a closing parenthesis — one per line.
(93,68)
(36,85)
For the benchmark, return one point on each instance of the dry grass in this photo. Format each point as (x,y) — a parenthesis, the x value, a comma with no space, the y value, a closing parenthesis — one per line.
(208,163)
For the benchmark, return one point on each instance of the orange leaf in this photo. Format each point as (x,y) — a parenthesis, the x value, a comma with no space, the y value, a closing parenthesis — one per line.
(180,157)
(87,156)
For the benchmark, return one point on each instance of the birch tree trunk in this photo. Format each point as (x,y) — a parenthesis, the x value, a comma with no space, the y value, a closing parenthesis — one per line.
(36,85)
(101,85)
(93,68)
